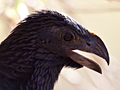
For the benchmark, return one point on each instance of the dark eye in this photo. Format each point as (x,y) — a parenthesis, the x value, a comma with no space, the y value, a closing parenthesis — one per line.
(68,37)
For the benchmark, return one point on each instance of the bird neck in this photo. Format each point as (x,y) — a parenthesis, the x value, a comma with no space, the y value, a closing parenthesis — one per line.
(44,76)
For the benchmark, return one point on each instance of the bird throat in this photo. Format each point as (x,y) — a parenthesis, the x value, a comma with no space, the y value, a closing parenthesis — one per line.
(44,77)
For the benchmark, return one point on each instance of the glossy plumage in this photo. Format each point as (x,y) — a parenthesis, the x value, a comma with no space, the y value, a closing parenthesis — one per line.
(32,56)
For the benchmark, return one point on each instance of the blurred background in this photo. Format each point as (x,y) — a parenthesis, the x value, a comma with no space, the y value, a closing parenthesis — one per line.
(99,16)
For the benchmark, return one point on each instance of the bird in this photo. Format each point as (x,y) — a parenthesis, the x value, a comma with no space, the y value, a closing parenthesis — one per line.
(33,55)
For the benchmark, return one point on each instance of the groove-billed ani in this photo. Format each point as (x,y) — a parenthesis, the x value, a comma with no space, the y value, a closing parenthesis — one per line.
(32,56)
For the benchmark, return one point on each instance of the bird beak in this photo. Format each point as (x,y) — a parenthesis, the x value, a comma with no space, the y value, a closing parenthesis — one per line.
(97,47)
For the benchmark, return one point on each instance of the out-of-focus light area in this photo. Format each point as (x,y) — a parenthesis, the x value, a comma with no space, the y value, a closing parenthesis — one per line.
(99,16)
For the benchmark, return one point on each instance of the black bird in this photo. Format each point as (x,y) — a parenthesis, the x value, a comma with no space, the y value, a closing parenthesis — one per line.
(32,56)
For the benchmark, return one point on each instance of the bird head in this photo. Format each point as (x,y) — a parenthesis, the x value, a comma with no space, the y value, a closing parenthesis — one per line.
(61,35)
(47,31)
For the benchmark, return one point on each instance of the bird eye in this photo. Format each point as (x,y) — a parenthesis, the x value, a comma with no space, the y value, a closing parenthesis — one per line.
(68,37)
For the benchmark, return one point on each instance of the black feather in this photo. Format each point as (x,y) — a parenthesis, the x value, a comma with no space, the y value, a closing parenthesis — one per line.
(29,57)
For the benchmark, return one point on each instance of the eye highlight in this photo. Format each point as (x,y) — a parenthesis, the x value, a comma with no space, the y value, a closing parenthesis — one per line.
(68,37)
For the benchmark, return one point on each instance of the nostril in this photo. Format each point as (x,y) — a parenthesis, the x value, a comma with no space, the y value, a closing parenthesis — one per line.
(88,43)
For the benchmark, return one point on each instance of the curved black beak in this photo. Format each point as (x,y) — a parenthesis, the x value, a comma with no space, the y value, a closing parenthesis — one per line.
(95,46)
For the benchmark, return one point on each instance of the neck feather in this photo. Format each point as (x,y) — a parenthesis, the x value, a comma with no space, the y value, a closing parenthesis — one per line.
(44,77)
